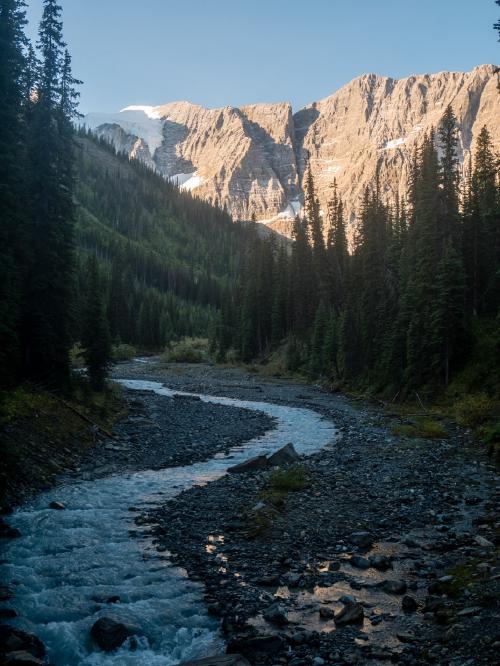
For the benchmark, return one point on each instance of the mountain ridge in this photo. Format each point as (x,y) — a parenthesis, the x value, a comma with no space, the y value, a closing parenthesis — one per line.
(251,159)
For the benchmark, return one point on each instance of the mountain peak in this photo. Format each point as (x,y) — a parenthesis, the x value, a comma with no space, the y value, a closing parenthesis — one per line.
(252,159)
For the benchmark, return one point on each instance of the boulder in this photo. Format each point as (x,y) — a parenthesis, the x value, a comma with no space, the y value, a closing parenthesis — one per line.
(284,456)
(394,586)
(352,613)
(110,633)
(15,640)
(409,604)
(224,660)
(380,562)
(253,647)
(8,532)
(359,562)
(251,465)
(326,613)
(276,615)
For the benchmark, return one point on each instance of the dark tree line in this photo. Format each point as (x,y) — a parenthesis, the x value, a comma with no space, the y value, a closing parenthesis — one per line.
(36,198)
(398,312)
(94,248)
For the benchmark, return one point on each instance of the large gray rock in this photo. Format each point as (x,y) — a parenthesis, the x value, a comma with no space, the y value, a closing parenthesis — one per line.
(352,613)
(394,586)
(109,633)
(15,640)
(284,456)
(251,465)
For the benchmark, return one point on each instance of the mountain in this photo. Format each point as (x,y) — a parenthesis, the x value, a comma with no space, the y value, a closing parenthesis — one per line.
(252,159)
(167,260)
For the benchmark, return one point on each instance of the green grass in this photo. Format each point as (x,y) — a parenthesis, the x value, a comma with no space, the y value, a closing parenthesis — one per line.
(278,485)
(424,428)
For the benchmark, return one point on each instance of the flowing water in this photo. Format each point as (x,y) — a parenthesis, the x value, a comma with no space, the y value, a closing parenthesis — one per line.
(68,563)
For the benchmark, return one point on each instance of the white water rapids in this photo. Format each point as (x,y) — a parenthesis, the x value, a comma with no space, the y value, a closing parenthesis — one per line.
(67,563)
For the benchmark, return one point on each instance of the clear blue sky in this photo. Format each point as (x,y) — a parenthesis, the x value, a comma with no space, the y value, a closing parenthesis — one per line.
(232,52)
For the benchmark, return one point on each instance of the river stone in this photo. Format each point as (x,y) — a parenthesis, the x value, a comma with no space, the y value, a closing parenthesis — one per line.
(255,646)
(380,562)
(352,613)
(251,465)
(394,586)
(359,562)
(224,660)
(326,613)
(276,615)
(287,454)
(409,604)
(8,532)
(15,640)
(109,633)
(58,506)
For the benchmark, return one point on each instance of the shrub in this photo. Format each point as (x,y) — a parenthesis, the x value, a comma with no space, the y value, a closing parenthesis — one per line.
(187,350)
(282,482)
(432,430)
(427,429)
(123,352)
(474,410)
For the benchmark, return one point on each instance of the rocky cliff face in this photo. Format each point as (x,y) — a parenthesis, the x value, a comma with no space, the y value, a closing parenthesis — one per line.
(252,159)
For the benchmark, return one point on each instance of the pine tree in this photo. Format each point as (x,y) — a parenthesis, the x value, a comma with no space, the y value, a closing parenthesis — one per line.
(482,230)
(497,25)
(12,185)
(50,289)
(303,291)
(447,319)
(337,252)
(96,339)
(316,357)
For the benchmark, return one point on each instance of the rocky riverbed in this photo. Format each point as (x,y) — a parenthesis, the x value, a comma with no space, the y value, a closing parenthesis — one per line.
(387,550)
(402,532)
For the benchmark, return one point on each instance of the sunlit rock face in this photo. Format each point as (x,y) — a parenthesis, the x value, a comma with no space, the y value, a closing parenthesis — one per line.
(252,159)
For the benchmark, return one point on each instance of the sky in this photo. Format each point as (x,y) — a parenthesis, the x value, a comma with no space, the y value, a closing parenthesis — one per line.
(234,52)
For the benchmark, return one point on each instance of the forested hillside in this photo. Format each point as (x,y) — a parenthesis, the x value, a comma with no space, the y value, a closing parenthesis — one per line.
(417,302)
(166,260)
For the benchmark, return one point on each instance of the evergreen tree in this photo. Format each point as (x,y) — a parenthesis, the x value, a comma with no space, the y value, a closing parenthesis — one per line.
(447,320)
(497,25)
(482,230)
(50,288)
(316,357)
(12,185)
(96,339)
(337,252)
(303,292)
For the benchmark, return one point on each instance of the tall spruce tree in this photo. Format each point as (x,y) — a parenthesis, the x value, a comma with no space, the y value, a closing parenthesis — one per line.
(95,337)
(12,185)
(47,335)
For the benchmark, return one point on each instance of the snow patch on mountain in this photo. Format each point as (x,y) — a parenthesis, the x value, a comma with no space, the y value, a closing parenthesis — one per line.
(187,181)
(141,121)
(394,143)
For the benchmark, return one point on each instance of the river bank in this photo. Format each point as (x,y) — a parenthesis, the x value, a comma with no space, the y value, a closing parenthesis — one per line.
(403,532)
(427,574)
